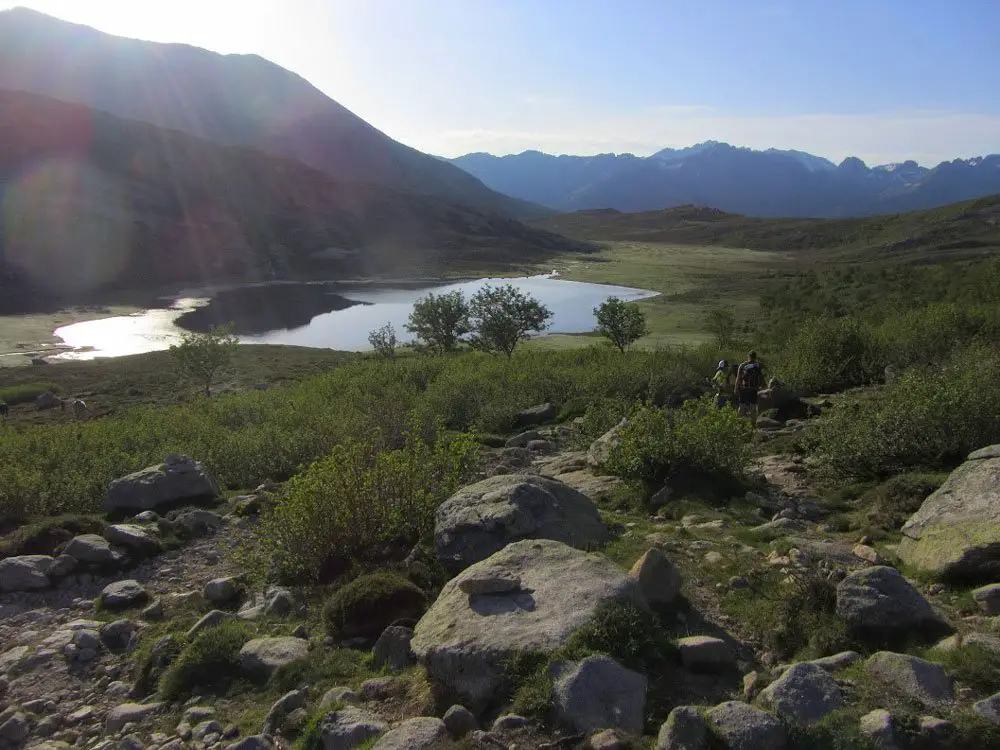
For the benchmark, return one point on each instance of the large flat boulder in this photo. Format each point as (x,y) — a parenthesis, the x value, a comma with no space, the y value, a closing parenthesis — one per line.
(483,518)
(467,641)
(177,479)
(956,532)
(880,601)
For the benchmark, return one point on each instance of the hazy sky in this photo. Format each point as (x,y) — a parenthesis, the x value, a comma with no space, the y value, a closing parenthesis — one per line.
(885,80)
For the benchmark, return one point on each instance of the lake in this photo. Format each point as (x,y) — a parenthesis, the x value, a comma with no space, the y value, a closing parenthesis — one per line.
(325,315)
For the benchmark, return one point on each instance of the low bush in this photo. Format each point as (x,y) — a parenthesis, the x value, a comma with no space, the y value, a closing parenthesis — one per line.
(931,418)
(26,393)
(973,665)
(209,662)
(888,506)
(697,439)
(358,497)
(830,355)
(370,603)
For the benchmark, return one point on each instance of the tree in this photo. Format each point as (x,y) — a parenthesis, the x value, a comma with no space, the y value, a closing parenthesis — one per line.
(383,341)
(200,356)
(440,320)
(722,323)
(503,316)
(622,323)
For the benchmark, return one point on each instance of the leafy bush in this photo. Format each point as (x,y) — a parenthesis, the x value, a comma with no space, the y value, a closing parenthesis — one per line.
(830,355)
(696,439)
(357,497)
(25,394)
(201,356)
(621,323)
(932,417)
(383,341)
(503,316)
(210,661)
(370,603)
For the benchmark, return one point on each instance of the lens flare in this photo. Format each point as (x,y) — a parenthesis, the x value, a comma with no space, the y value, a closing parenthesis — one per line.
(67,227)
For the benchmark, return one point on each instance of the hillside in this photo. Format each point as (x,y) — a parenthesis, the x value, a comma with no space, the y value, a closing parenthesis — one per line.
(739,180)
(237,99)
(93,201)
(969,228)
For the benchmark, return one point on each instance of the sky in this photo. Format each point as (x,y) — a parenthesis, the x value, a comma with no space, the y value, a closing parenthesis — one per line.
(884,80)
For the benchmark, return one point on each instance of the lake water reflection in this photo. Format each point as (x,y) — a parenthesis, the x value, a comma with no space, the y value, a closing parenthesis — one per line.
(320,315)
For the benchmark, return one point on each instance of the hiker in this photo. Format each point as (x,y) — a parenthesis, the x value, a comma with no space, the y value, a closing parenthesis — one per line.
(4,410)
(749,381)
(723,381)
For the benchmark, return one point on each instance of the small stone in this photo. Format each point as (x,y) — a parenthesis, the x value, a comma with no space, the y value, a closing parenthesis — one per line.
(129,713)
(154,612)
(62,566)
(87,639)
(460,721)
(743,727)
(206,728)
(254,742)
(90,548)
(132,537)
(349,727)
(705,652)
(381,688)
(610,739)
(480,585)
(752,685)
(804,694)
(266,655)
(866,553)
(81,715)
(420,733)
(210,620)
(989,708)
(597,693)
(199,522)
(878,727)
(713,557)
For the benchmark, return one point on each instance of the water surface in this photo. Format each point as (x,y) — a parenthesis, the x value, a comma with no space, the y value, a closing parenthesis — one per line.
(325,315)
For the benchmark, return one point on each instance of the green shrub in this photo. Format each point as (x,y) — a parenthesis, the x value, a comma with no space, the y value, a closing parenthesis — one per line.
(26,393)
(599,417)
(697,439)
(357,497)
(931,418)
(370,603)
(973,665)
(211,661)
(830,355)
(891,503)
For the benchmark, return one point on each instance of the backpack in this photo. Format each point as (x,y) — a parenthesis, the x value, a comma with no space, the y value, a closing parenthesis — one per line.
(751,377)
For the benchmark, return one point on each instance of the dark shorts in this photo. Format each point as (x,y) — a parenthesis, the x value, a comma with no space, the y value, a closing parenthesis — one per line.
(747,398)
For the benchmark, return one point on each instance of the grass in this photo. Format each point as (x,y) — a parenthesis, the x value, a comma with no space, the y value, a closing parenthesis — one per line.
(25,393)
(209,662)
(370,603)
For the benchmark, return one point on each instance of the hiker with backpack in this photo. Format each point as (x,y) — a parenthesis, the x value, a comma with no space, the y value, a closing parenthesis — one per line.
(723,381)
(749,381)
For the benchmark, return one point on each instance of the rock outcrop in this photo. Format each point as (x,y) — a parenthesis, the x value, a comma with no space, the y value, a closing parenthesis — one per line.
(483,518)
(177,479)
(466,642)
(956,532)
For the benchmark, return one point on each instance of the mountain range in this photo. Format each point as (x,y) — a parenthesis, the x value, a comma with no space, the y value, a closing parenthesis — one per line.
(241,100)
(737,180)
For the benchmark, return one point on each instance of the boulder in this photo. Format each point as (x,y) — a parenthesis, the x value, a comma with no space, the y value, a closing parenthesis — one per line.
(420,733)
(46,400)
(460,721)
(658,578)
(743,727)
(265,655)
(132,537)
(509,723)
(988,598)
(877,725)
(989,708)
(121,594)
(466,643)
(956,532)
(392,649)
(920,680)
(129,713)
(536,415)
(804,694)
(199,522)
(684,729)
(222,590)
(90,548)
(597,693)
(117,635)
(880,600)
(25,572)
(705,652)
(601,449)
(521,440)
(484,517)
(348,728)
(177,479)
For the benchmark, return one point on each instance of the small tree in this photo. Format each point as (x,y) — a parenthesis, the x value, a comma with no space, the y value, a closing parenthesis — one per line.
(383,341)
(440,320)
(200,356)
(503,316)
(722,324)
(622,323)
